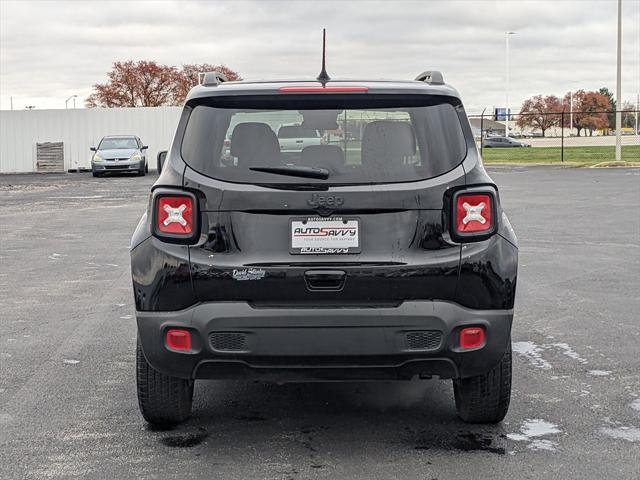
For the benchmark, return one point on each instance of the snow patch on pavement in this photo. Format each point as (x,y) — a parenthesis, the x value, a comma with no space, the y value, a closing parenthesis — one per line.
(532,352)
(630,434)
(569,352)
(531,431)
(542,444)
(599,373)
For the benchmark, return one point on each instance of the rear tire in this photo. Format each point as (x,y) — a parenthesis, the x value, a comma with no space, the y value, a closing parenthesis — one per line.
(164,401)
(485,398)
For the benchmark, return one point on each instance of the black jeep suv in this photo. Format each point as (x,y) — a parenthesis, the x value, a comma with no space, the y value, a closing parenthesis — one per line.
(380,253)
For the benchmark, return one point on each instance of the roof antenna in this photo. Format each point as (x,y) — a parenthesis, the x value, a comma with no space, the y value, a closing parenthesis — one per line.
(324,77)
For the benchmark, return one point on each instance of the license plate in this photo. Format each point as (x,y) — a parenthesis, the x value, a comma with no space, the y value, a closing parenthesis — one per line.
(324,236)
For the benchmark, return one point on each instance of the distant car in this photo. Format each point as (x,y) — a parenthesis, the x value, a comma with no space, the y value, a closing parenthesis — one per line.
(119,154)
(502,142)
(294,138)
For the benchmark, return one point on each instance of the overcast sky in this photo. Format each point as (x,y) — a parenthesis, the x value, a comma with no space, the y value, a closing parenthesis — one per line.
(53,49)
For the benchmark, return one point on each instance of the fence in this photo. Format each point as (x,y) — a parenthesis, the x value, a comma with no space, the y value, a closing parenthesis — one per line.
(579,136)
(584,137)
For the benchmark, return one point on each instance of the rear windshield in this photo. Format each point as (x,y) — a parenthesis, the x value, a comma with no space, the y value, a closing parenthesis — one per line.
(354,141)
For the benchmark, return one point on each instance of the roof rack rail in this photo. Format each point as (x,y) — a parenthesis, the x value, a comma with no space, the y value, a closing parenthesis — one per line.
(211,79)
(432,77)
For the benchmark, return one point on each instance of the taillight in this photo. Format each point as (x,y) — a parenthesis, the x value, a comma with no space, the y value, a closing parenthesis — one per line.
(471,337)
(178,340)
(175,216)
(474,215)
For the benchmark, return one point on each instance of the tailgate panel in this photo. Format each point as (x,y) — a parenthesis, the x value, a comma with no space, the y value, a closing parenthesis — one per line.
(245,253)
(402,257)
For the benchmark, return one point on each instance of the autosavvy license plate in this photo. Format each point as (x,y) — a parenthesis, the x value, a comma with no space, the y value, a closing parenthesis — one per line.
(325,236)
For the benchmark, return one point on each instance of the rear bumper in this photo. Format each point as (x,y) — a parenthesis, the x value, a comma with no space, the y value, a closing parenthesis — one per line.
(235,340)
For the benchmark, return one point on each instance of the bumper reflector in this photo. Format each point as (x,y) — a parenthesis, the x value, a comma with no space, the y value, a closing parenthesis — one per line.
(471,337)
(178,340)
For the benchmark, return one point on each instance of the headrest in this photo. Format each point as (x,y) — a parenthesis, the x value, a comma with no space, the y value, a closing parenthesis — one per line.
(330,156)
(254,141)
(386,141)
(320,119)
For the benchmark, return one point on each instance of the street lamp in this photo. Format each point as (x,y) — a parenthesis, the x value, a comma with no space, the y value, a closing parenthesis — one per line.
(506,124)
(67,100)
(619,88)
(571,113)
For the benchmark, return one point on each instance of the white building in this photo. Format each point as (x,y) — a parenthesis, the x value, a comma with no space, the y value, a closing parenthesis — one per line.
(78,130)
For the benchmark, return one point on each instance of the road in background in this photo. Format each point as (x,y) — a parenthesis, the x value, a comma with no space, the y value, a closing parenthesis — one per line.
(595,141)
(67,391)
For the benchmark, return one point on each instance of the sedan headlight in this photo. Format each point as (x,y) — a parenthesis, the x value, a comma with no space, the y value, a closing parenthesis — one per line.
(98,158)
(136,157)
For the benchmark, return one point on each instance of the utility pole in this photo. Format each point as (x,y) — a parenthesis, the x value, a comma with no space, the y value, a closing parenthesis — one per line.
(619,88)
(11,100)
(570,112)
(506,74)
(637,112)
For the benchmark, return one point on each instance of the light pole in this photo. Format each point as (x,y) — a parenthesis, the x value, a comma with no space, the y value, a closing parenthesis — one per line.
(570,112)
(637,112)
(619,88)
(573,84)
(67,101)
(506,123)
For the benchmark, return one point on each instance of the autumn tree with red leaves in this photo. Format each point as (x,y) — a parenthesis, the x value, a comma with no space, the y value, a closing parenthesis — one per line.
(149,84)
(540,112)
(590,111)
(189,77)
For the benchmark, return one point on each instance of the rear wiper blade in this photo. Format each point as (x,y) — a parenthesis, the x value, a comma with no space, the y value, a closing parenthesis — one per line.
(295,171)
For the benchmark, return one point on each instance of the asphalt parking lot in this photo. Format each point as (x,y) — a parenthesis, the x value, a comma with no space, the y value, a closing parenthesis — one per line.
(68,406)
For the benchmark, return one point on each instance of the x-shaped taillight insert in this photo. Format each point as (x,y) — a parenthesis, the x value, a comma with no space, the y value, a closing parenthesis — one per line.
(474,212)
(174,215)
